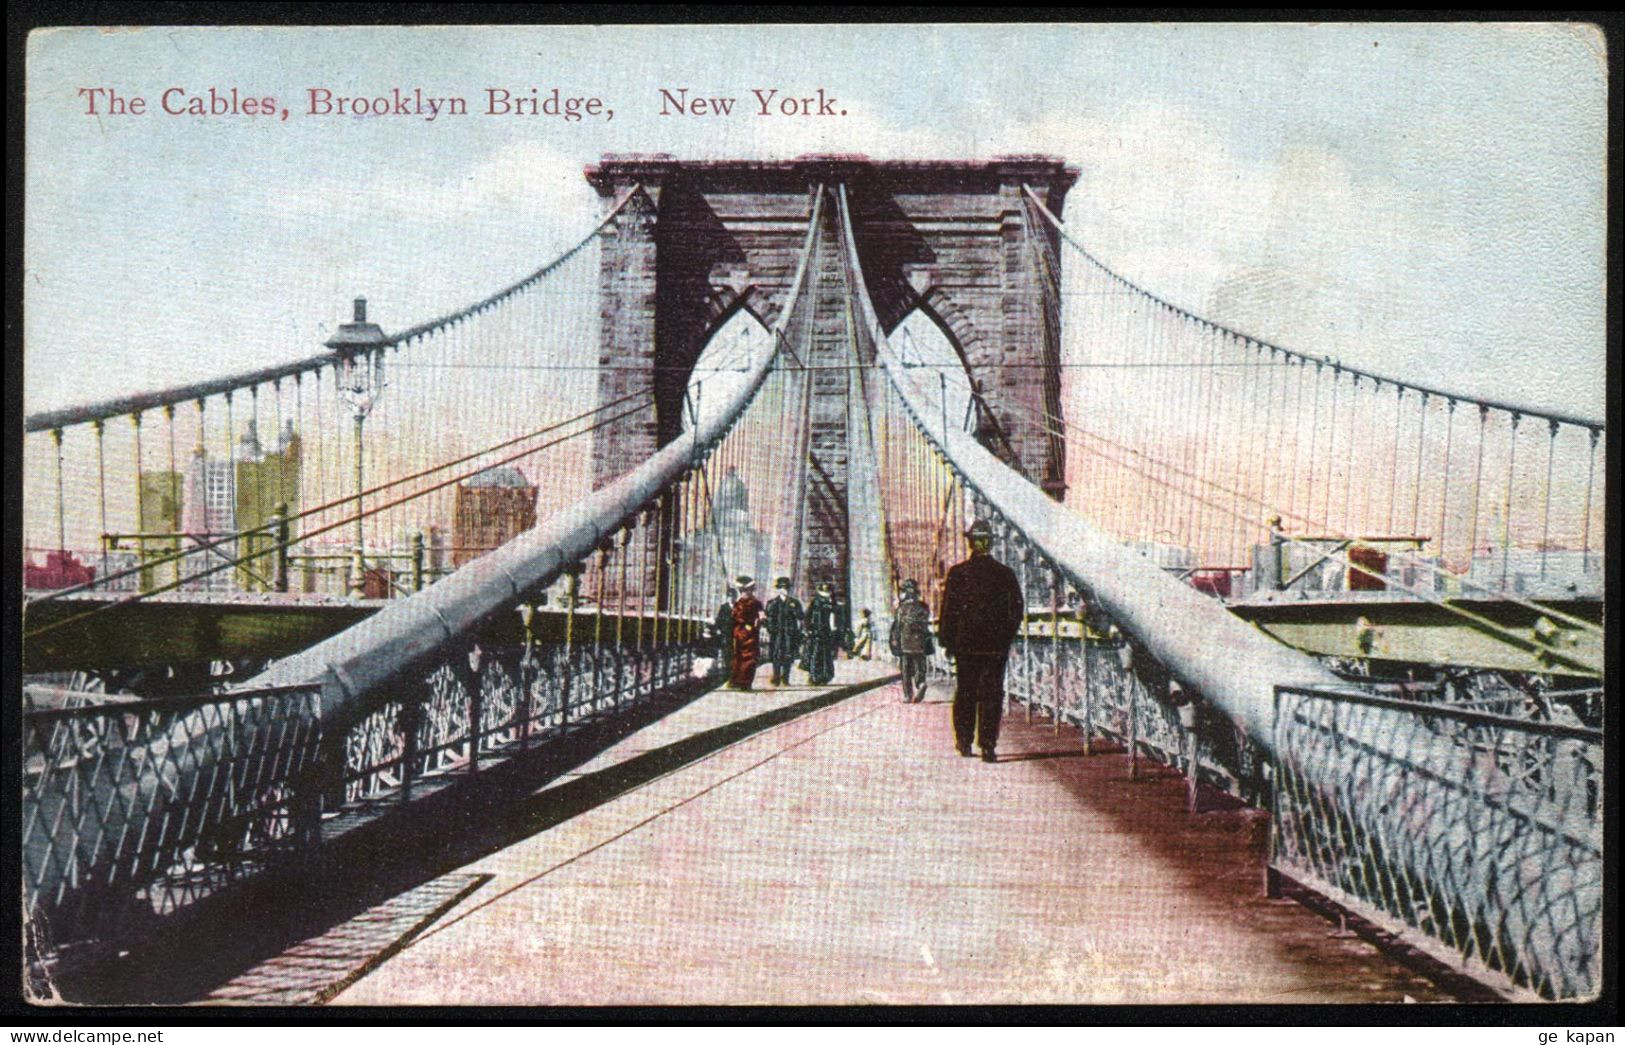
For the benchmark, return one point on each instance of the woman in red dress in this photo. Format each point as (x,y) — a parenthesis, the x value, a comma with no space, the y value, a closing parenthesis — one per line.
(747,633)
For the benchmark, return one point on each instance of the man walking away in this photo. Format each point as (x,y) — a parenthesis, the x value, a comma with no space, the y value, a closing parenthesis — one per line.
(981,613)
(911,641)
(784,617)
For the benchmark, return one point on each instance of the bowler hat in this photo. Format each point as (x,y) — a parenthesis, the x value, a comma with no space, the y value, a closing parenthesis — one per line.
(980,528)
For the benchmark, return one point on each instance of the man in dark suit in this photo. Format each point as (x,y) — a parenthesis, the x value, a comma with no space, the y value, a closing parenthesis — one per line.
(981,612)
(784,617)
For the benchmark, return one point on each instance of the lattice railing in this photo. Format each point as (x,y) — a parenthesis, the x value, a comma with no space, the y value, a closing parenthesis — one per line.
(1475,837)
(1477,832)
(134,811)
(1119,695)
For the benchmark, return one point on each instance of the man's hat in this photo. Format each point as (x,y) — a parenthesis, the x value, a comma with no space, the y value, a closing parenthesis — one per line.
(911,586)
(744,582)
(825,588)
(782,582)
(980,528)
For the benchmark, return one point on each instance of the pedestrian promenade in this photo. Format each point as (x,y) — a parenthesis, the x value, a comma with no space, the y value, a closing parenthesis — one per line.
(848,856)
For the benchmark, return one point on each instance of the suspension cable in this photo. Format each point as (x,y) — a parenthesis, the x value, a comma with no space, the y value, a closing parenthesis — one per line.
(62,418)
(217,541)
(345,521)
(1217,487)
(1066,234)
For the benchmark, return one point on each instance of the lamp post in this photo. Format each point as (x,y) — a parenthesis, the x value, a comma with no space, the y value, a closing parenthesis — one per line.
(361,381)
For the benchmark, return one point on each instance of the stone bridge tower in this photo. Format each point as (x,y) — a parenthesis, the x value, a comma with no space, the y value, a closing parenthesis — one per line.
(951,238)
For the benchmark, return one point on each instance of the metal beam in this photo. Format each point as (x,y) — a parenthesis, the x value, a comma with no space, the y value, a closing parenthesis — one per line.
(1413,631)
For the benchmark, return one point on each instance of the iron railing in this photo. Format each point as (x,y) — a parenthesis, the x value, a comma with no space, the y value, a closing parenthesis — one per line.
(133,811)
(1477,835)
(1112,692)
(1474,837)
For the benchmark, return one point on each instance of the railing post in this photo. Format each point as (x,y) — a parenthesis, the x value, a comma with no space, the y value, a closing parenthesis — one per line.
(409,722)
(620,618)
(280,530)
(1187,723)
(598,628)
(1055,645)
(417,561)
(567,680)
(1083,676)
(305,803)
(1133,730)
(1272,877)
(469,671)
(1026,627)
(324,792)
(527,672)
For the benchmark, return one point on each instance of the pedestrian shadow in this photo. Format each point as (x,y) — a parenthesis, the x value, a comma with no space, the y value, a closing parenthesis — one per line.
(1035,756)
(413,844)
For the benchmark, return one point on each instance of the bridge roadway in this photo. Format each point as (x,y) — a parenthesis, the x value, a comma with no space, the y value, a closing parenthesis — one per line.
(847,856)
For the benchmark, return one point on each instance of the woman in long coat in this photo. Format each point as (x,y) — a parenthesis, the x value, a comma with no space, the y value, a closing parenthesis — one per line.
(822,626)
(747,635)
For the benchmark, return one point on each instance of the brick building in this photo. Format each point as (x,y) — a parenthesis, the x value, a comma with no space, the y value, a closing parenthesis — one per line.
(492,508)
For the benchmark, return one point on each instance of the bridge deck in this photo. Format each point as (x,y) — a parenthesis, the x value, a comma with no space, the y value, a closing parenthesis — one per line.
(848,856)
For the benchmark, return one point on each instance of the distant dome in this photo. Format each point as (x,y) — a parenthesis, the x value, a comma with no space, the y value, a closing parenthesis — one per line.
(501,476)
(731,494)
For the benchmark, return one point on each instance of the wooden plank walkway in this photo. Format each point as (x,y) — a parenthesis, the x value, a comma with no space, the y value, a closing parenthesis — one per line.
(848,856)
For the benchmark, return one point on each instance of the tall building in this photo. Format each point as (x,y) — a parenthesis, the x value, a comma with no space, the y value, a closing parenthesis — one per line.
(266,481)
(215,498)
(492,509)
(160,512)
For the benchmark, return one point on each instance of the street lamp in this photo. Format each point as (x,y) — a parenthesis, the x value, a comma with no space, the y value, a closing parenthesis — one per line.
(361,381)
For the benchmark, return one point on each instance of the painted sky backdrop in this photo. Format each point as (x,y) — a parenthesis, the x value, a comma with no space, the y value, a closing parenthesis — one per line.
(1422,201)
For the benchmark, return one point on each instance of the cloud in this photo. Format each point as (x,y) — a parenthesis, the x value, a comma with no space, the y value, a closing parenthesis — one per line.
(1295,243)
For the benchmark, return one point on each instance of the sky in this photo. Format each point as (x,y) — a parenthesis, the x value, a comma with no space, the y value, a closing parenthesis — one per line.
(1422,201)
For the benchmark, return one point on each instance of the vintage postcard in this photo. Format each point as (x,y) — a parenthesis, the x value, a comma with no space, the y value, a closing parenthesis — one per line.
(813,515)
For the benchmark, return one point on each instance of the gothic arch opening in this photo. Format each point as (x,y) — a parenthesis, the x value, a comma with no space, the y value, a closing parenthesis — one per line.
(720,369)
(732,539)
(926,345)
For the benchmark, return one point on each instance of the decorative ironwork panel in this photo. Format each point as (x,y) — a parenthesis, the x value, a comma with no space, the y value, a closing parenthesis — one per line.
(133,810)
(1475,833)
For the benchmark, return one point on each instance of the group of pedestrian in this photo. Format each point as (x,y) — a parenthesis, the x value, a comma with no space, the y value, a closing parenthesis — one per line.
(980,615)
(812,634)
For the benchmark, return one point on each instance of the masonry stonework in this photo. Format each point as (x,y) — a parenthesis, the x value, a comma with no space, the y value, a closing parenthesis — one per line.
(702,239)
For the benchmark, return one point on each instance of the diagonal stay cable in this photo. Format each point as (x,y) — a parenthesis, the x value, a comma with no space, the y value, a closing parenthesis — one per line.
(345,521)
(331,504)
(1051,422)
(1498,631)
